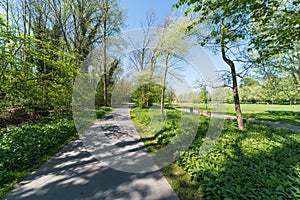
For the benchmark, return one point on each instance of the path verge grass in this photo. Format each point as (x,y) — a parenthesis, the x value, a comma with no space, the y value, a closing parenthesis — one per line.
(260,162)
(25,147)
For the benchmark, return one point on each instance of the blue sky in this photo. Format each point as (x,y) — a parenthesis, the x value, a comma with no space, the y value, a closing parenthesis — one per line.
(136,14)
(137,9)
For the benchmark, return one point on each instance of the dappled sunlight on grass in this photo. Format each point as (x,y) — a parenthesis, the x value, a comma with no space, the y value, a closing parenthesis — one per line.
(259,162)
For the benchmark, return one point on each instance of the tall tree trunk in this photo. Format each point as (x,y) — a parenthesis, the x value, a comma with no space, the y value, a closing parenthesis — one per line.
(105,54)
(7,15)
(298,71)
(7,22)
(234,82)
(163,89)
(29,29)
(25,17)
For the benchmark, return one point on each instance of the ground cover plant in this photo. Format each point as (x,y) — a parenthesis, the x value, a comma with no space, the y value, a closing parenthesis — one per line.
(25,147)
(259,162)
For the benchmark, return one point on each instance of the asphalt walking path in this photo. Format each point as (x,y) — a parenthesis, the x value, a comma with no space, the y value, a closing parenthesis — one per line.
(223,116)
(82,169)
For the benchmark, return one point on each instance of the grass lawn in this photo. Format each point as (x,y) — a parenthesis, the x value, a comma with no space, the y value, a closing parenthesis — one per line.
(277,113)
(260,162)
(25,147)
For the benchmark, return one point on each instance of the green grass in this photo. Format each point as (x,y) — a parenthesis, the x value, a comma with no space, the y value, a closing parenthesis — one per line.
(156,134)
(181,182)
(276,113)
(100,112)
(260,162)
(25,147)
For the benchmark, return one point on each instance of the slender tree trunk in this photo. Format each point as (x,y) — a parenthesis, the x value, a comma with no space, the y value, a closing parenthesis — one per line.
(234,83)
(7,16)
(294,71)
(7,20)
(146,100)
(235,89)
(25,17)
(105,75)
(105,54)
(7,25)
(163,89)
(8,49)
(143,59)
(153,64)
(25,29)
(298,71)
(29,28)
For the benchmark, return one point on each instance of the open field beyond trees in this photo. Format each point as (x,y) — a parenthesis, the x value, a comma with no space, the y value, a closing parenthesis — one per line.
(289,114)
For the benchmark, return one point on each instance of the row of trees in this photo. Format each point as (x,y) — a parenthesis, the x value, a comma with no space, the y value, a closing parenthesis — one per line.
(43,44)
(272,90)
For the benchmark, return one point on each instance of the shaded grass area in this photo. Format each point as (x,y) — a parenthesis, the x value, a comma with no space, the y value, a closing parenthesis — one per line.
(25,147)
(159,132)
(288,114)
(260,162)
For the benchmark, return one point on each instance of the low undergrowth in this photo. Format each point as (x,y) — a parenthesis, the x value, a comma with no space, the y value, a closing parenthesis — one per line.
(25,147)
(260,162)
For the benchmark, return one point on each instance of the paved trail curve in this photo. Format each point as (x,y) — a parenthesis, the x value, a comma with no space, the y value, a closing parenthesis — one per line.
(75,174)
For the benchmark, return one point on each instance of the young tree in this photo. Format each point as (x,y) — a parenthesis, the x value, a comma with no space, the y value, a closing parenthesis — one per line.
(203,95)
(143,60)
(172,41)
(226,31)
(141,57)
